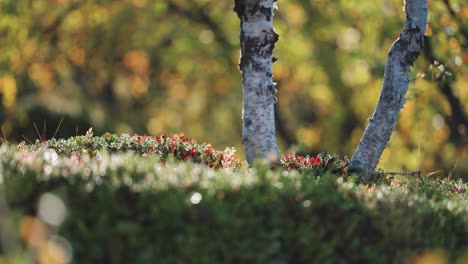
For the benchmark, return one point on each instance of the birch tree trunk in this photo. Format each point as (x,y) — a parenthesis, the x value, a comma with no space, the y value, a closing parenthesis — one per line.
(401,56)
(257,41)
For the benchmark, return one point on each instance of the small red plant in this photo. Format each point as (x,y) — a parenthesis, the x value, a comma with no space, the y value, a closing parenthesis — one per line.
(315,161)
(140,139)
(186,148)
(458,189)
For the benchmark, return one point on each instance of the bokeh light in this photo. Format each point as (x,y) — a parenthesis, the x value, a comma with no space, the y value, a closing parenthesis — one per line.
(51,209)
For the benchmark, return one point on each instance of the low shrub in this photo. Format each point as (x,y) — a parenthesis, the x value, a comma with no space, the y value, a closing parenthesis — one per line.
(153,208)
(179,147)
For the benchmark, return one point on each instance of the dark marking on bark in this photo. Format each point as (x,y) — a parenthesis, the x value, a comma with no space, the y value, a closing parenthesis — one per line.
(390,53)
(272,88)
(273,91)
(267,12)
(239,8)
(248,50)
(412,52)
(271,38)
(410,43)
(254,46)
(274,59)
(411,58)
(389,97)
(248,122)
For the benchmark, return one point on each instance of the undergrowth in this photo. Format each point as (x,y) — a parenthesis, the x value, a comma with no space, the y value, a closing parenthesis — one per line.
(170,199)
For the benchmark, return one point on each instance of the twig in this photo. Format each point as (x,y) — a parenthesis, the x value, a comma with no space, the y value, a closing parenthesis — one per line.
(58,127)
(4,136)
(433,173)
(37,131)
(27,140)
(452,170)
(44,130)
(409,173)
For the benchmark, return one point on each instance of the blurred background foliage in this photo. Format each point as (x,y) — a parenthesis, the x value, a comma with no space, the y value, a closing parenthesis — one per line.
(141,66)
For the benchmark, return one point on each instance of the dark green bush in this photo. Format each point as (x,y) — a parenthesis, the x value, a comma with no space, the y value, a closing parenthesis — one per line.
(125,208)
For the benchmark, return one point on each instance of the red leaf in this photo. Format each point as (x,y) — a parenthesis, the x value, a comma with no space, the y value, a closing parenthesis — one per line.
(316,161)
(140,139)
(311,161)
(302,159)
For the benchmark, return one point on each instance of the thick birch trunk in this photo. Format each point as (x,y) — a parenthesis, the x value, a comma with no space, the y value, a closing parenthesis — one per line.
(402,55)
(257,40)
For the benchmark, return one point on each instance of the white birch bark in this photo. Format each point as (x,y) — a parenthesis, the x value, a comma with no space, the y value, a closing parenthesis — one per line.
(257,40)
(401,56)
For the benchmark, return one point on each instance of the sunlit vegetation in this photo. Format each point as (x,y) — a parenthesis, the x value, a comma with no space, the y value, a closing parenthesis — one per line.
(140,68)
(173,65)
(170,199)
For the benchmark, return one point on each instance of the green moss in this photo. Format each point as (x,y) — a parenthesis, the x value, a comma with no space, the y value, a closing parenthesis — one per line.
(128,208)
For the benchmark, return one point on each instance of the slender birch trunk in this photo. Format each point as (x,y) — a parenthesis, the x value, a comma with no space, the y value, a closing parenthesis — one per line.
(257,41)
(401,56)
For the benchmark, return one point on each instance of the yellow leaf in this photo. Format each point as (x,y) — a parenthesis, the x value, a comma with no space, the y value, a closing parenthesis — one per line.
(8,89)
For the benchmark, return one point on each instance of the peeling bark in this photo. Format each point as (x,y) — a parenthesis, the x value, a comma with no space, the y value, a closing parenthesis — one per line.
(257,41)
(401,56)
